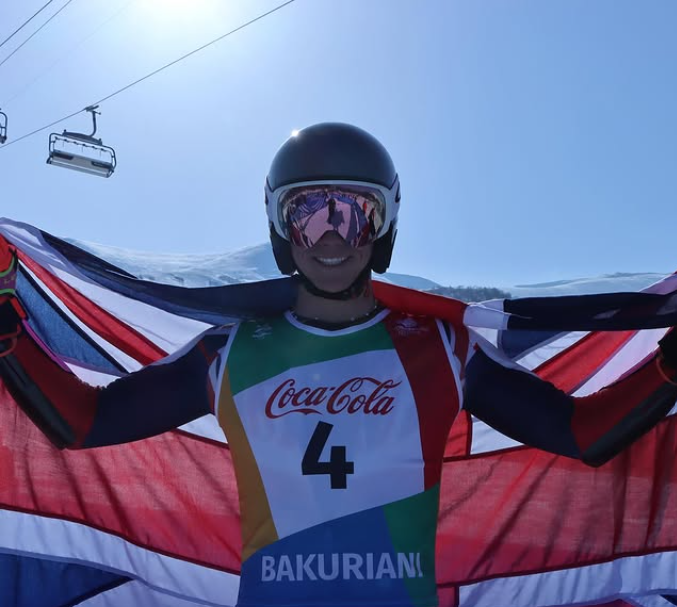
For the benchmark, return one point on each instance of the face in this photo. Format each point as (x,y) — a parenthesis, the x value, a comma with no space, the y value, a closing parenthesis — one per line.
(331,264)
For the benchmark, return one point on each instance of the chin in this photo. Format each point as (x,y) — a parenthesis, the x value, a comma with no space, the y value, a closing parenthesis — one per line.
(332,285)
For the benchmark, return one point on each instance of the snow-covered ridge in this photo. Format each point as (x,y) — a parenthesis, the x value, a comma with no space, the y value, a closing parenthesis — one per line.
(619,281)
(212,269)
(257,263)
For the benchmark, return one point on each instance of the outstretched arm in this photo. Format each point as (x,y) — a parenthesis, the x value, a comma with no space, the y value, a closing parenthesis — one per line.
(74,414)
(592,428)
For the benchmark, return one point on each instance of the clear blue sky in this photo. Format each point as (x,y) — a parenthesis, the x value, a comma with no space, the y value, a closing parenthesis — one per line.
(534,140)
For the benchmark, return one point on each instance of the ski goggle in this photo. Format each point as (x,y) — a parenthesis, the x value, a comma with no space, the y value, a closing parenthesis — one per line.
(358,212)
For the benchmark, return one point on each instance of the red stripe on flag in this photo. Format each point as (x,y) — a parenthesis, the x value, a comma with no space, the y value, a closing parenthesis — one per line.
(170,494)
(575,365)
(410,301)
(596,414)
(460,436)
(117,333)
(448,596)
(6,254)
(526,511)
(425,361)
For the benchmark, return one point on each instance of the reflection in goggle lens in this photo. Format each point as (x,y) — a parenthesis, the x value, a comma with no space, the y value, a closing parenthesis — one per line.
(356,214)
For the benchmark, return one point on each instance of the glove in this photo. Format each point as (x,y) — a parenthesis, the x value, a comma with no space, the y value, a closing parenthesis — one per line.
(11,312)
(7,269)
(668,347)
(10,320)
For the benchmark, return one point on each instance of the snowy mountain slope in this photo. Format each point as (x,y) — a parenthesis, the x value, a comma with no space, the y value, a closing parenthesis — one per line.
(257,263)
(580,286)
(243,265)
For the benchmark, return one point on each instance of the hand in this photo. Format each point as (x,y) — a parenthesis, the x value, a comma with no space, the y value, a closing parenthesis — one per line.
(10,326)
(668,347)
(11,312)
(7,269)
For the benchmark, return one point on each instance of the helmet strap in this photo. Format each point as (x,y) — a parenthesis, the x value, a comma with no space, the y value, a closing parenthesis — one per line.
(355,290)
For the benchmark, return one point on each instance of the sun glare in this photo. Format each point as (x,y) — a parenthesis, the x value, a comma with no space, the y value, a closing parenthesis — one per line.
(168,21)
(171,5)
(179,10)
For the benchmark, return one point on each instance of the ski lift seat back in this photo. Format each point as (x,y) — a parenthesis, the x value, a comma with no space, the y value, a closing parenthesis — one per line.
(81,152)
(3,127)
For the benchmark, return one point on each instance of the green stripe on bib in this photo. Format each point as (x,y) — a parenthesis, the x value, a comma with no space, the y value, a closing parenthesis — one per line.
(265,348)
(412,523)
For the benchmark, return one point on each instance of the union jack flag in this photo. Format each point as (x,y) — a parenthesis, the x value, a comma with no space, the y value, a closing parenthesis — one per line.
(156,522)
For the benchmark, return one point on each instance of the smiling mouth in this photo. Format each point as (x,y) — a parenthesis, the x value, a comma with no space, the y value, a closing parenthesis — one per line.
(331,261)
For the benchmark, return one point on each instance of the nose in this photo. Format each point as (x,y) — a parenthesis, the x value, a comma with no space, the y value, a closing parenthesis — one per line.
(331,237)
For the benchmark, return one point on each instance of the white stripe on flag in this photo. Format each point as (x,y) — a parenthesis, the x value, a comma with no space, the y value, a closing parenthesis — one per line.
(207,427)
(90,376)
(639,575)
(486,439)
(136,594)
(488,314)
(544,351)
(649,600)
(57,539)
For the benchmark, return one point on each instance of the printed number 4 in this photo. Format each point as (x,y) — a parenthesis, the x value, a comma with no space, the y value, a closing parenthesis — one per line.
(338,467)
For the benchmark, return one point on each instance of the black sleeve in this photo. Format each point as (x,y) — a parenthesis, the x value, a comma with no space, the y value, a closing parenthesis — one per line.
(157,398)
(592,428)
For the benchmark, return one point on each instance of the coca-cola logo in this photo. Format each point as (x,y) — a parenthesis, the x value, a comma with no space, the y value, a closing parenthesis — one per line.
(356,395)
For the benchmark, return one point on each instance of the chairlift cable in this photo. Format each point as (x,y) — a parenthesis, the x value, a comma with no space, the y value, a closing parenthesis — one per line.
(41,75)
(44,128)
(24,24)
(197,50)
(153,73)
(6,59)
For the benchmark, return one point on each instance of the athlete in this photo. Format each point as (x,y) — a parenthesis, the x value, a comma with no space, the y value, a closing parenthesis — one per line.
(337,411)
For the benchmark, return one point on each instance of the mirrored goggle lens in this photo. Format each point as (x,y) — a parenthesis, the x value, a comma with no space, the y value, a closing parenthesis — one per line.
(356,214)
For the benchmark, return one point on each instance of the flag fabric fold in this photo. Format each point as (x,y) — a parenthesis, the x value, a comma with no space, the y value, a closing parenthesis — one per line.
(156,522)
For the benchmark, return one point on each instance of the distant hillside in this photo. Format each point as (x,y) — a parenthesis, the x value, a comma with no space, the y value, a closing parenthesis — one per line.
(257,263)
(471,294)
(608,283)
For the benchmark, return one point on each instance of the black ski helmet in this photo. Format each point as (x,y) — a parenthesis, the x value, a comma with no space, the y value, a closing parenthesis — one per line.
(334,152)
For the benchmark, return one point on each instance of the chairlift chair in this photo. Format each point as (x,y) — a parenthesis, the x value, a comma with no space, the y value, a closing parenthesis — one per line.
(81,152)
(3,127)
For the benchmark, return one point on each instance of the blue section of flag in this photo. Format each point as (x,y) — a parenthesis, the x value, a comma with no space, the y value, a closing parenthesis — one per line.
(517,343)
(597,312)
(35,582)
(59,334)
